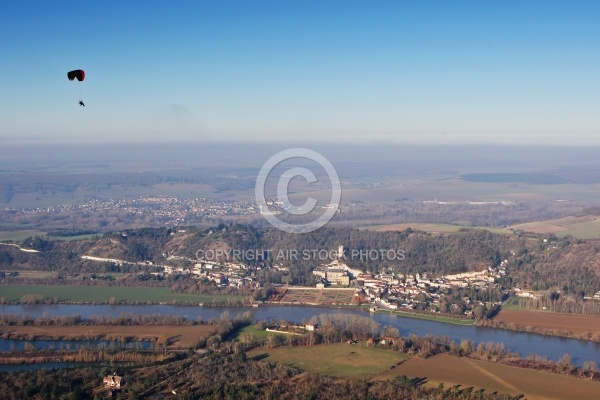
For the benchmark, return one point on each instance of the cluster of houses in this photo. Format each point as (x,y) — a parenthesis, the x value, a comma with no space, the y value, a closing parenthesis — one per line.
(172,209)
(408,291)
(223,274)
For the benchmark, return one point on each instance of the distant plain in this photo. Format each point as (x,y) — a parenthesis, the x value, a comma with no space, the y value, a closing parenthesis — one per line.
(563,180)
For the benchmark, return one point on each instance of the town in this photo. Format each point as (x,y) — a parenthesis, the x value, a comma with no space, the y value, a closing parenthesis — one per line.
(385,290)
(171,210)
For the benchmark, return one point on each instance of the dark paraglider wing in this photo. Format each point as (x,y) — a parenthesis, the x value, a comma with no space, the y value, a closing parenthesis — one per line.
(76,74)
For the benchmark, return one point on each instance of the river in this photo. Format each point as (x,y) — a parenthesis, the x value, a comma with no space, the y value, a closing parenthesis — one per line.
(522,343)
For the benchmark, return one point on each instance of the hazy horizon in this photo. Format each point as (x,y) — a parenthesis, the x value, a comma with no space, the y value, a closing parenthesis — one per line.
(253,155)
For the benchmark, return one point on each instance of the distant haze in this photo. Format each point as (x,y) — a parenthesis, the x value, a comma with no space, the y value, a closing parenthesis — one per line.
(419,159)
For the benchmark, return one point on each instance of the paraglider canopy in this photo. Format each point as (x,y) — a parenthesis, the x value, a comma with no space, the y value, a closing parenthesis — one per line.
(76,74)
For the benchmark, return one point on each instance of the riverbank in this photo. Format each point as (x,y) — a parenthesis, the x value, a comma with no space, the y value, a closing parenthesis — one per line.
(429,317)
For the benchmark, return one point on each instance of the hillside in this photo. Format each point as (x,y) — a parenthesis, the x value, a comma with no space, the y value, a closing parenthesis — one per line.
(542,262)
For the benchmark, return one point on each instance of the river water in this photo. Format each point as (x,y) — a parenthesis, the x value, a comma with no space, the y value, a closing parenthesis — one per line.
(522,343)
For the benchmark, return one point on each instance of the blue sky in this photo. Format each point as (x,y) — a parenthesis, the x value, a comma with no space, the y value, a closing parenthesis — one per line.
(406,72)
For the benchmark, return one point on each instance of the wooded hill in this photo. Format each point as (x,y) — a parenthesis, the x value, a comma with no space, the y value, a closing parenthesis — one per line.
(542,262)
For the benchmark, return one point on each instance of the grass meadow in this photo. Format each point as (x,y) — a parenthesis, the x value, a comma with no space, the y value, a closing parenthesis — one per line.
(253,332)
(339,360)
(16,236)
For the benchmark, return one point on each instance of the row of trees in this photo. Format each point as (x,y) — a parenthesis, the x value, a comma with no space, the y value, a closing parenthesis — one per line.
(123,319)
(86,354)
(559,301)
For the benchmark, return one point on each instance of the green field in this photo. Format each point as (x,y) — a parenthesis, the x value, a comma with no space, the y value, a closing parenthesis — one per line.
(340,360)
(32,274)
(512,304)
(16,236)
(99,294)
(252,331)
(76,237)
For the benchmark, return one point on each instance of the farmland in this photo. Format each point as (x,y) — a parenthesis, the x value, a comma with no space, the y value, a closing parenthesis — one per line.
(576,324)
(582,227)
(432,228)
(495,377)
(176,336)
(340,360)
(115,294)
